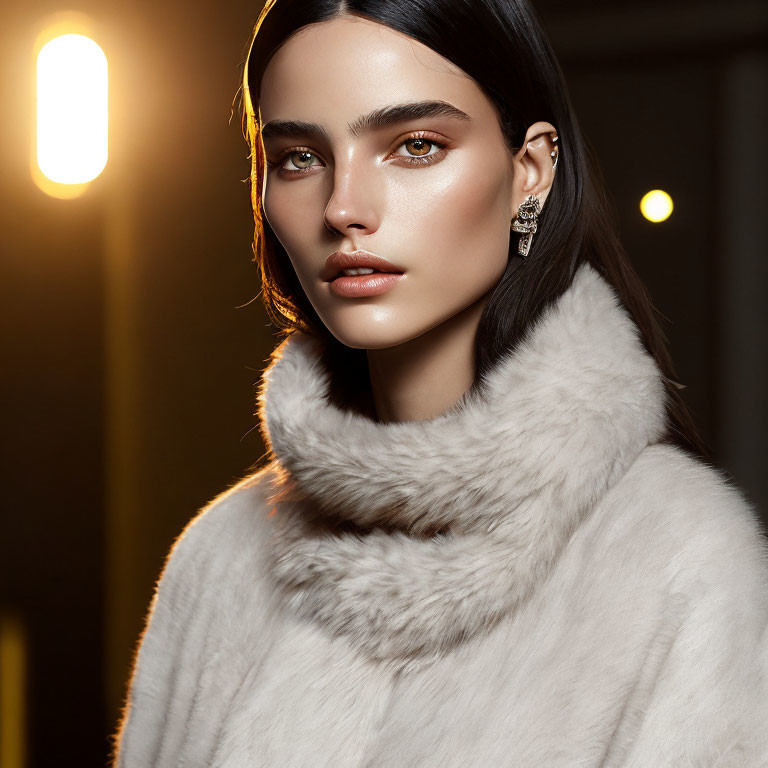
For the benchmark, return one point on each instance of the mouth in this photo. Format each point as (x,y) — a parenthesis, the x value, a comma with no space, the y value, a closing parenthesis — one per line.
(363,272)
(370,283)
(356,264)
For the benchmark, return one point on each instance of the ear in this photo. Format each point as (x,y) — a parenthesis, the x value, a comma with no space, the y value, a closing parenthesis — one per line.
(533,165)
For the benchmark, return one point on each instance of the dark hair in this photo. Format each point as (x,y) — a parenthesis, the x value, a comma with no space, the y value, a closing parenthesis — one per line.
(502,46)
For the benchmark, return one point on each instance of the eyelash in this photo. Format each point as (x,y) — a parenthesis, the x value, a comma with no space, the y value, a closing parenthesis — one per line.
(410,160)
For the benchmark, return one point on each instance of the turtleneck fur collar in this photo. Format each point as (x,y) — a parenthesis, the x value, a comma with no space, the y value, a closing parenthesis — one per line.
(411,537)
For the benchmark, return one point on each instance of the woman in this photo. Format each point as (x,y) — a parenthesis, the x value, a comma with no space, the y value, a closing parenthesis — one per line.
(489,534)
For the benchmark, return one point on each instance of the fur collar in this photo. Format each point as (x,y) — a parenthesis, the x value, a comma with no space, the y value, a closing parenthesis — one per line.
(410,537)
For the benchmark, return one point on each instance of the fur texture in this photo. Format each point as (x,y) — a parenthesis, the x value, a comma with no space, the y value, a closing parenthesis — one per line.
(529,579)
(506,477)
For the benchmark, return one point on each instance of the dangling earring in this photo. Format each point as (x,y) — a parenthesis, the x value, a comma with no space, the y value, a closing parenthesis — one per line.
(525,223)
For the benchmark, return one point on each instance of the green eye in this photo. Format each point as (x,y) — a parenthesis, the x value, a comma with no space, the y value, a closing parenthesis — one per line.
(305,159)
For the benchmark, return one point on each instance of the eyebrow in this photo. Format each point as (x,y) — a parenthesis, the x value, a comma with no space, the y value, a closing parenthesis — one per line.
(379,118)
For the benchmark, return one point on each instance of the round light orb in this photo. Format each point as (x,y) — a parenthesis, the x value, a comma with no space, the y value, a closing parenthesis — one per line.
(656,205)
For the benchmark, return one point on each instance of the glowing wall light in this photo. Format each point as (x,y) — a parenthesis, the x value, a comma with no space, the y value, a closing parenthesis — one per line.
(72,109)
(13,691)
(656,205)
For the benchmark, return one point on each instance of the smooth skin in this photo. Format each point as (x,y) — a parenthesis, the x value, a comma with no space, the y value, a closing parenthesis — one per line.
(435,195)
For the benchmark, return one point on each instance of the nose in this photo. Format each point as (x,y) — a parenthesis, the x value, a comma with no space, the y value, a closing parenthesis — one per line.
(352,205)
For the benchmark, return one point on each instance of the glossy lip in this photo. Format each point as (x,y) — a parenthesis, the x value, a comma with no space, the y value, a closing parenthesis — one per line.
(340,260)
(359,286)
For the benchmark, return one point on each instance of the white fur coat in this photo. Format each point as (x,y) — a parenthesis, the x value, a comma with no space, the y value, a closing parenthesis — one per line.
(531,579)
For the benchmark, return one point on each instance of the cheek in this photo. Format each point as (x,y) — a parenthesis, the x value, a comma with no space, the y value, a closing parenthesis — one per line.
(288,209)
(460,226)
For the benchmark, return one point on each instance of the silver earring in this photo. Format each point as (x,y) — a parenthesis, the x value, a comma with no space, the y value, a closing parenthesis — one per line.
(525,223)
(555,154)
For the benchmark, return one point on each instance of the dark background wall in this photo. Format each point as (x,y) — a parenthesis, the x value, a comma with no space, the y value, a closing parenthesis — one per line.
(133,336)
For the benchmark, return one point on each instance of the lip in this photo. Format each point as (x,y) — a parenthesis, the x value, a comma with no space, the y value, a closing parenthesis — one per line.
(358,286)
(340,260)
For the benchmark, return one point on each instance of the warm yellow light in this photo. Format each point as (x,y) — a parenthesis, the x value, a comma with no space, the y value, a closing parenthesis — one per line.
(72,109)
(13,691)
(656,205)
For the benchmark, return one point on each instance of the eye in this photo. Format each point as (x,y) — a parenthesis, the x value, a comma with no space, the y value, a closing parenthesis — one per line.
(300,158)
(420,146)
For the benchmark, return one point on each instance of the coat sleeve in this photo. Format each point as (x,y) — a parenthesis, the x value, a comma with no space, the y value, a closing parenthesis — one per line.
(171,648)
(708,706)
(155,670)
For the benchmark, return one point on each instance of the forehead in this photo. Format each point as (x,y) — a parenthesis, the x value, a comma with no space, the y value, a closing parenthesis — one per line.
(336,70)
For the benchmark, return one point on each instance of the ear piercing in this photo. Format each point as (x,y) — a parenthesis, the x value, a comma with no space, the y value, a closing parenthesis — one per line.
(555,153)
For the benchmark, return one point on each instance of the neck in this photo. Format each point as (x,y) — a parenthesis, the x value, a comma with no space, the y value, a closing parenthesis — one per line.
(426,375)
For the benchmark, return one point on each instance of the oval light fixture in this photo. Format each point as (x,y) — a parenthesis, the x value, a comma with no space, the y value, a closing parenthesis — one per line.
(656,205)
(72,110)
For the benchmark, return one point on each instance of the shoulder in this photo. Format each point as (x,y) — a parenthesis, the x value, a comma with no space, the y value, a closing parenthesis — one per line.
(700,507)
(223,528)
(229,517)
(699,531)
(689,531)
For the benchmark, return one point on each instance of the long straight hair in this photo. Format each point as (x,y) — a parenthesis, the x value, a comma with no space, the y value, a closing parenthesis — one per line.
(502,46)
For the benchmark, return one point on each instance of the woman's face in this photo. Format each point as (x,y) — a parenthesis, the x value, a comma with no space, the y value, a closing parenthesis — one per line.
(431,192)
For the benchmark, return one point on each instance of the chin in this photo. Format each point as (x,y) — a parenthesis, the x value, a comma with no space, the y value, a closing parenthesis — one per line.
(373,335)
(361,339)
(384,327)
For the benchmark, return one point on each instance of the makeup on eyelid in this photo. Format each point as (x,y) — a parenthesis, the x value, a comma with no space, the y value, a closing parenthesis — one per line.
(412,160)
